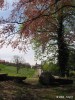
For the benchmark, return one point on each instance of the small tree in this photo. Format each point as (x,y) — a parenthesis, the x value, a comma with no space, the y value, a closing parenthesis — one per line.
(18,61)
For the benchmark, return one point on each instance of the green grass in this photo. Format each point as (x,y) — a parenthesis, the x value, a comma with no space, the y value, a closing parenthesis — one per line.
(12,71)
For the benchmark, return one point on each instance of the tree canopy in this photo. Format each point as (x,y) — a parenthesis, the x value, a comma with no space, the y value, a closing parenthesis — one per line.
(43,21)
(39,18)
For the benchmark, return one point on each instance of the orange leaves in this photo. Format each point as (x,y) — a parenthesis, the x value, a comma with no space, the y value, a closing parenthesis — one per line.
(38,23)
(44,38)
(15,43)
(67,2)
(31,26)
(1,3)
(35,15)
(31,12)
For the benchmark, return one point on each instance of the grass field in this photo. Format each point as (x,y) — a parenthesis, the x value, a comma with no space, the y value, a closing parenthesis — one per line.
(11,71)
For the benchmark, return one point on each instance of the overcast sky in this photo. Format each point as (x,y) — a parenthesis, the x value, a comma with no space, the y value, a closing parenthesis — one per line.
(7,53)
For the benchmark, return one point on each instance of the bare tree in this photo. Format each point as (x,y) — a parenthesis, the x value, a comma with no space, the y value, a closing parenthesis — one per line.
(18,62)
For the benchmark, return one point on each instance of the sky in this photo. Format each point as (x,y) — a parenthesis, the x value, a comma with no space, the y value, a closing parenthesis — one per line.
(7,53)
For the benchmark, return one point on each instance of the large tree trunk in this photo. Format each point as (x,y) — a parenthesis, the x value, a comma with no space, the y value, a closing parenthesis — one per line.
(63,52)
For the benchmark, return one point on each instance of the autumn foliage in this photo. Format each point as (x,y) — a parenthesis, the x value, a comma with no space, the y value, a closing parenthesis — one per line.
(38,18)
(42,21)
(1,3)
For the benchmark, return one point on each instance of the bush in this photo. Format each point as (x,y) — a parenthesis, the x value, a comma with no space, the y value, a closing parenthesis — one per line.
(53,68)
(72,73)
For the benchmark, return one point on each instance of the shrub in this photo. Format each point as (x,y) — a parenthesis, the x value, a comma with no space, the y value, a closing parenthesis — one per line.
(53,68)
(72,73)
